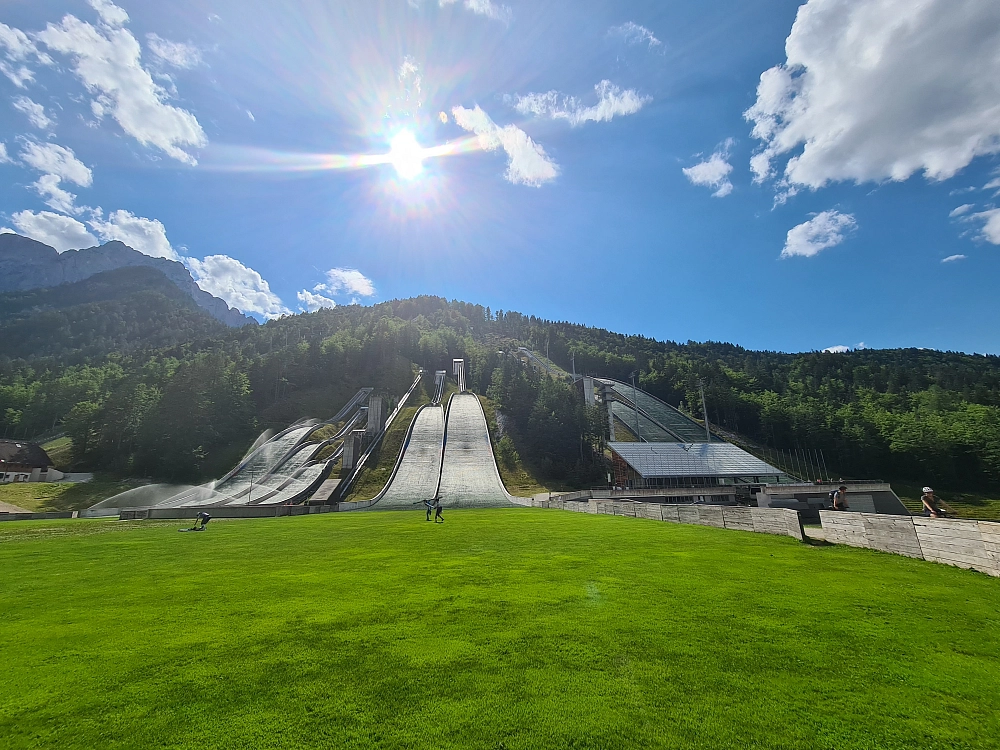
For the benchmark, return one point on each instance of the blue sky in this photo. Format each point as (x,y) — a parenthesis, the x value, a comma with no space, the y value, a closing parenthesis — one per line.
(776,174)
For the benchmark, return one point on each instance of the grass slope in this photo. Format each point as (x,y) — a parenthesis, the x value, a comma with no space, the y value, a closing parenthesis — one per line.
(60,496)
(498,629)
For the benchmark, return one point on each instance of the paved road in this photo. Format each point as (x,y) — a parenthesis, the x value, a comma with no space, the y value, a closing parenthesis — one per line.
(469,477)
(417,477)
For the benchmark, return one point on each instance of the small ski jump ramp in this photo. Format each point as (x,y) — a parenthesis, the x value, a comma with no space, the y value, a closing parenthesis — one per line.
(469,476)
(416,477)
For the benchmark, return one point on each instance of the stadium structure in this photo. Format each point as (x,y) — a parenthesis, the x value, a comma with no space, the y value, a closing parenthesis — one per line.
(657,454)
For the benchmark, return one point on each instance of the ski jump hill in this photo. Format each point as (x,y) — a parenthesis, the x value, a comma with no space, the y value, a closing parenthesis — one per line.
(445,457)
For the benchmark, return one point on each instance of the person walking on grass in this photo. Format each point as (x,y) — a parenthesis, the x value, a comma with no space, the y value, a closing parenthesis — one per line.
(438,511)
(933,506)
(430,506)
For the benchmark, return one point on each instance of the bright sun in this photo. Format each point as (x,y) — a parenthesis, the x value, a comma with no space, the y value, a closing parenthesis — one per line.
(406,155)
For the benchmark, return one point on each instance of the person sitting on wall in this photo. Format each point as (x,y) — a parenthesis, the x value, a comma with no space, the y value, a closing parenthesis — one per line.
(839,498)
(934,507)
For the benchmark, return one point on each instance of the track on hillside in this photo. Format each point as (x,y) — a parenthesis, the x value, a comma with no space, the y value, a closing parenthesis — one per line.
(415,477)
(469,475)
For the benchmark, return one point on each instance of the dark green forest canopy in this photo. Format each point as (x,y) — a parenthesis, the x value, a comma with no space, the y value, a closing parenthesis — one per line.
(161,389)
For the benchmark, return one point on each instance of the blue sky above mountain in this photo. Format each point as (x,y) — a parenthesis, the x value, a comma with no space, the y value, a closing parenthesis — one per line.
(781,175)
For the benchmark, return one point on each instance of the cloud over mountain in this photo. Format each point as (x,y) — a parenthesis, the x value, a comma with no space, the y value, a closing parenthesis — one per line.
(107,60)
(241,287)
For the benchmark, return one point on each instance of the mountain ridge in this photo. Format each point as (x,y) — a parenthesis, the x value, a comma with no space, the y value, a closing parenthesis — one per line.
(27,264)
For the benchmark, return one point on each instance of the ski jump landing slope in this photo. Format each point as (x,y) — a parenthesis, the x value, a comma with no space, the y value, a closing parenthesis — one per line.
(416,477)
(469,476)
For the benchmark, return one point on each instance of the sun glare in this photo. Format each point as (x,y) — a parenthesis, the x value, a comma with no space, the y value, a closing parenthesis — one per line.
(406,155)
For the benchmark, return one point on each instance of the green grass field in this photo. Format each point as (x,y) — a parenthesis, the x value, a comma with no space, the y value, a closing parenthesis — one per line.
(498,629)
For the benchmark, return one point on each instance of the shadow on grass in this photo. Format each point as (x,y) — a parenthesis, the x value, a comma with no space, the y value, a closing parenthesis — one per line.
(83,495)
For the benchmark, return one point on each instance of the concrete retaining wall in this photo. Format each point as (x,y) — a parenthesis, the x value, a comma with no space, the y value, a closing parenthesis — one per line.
(37,516)
(966,544)
(780,521)
(225,511)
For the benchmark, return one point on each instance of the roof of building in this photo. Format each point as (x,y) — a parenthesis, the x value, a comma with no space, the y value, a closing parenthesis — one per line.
(692,460)
(23,453)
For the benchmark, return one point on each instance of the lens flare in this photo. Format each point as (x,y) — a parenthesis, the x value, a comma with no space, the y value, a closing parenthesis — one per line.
(406,155)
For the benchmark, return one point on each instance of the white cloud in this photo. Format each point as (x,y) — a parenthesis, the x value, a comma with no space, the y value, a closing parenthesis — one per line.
(4,158)
(15,51)
(991,225)
(632,34)
(58,231)
(48,187)
(7,230)
(487,8)
(963,209)
(178,54)
(839,349)
(34,111)
(60,161)
(242,287)
(880,89)
(953,258)
(826,229)
(148,236)
(527,163)
(57,163)
(612,101)
(313,302)
(110,13)
(107,61)
(714,171)
(347,281)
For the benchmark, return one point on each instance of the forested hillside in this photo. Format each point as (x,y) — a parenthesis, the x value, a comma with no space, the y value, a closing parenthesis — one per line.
(187,406)
(115,311)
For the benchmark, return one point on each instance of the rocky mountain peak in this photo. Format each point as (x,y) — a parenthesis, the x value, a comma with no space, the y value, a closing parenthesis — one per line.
(28,264)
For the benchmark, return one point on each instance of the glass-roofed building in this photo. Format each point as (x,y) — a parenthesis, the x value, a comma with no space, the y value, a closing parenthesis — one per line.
(688,465)
(655,446)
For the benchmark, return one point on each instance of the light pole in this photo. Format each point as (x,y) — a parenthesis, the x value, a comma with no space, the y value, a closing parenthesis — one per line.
(250,496)
(704,410)
(635,403)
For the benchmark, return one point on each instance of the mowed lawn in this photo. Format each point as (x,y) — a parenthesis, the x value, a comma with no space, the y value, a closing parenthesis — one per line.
(498,629)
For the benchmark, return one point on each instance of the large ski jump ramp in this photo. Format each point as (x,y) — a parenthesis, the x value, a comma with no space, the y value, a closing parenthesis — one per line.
(416,477)
(469,476)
